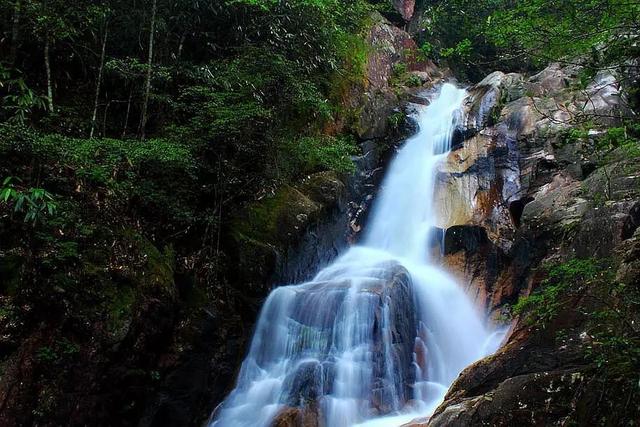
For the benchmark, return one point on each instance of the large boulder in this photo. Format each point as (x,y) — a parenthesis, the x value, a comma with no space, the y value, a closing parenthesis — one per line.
(298,417)
(384,299)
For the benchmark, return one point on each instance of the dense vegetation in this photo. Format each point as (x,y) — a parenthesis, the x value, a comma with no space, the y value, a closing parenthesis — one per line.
(131,135)
(119,110)
(480,36)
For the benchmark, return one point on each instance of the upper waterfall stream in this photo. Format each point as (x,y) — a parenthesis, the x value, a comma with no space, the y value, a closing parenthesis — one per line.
(378,336)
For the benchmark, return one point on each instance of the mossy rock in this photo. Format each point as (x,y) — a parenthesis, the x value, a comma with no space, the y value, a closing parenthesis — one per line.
(119,310)
(277,219)
(256,263)
(323,187)
(266,229)
(614,181)
(157,267)
(150,275)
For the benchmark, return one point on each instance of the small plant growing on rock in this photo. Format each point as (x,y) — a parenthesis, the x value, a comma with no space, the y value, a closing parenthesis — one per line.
(396,119)
(399,69)
(426,51)
(542,306)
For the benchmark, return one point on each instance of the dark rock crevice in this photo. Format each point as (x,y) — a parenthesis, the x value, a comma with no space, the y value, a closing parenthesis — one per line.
(516,208)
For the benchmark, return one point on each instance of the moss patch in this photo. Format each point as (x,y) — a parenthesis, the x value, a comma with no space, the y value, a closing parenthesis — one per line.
(276,219)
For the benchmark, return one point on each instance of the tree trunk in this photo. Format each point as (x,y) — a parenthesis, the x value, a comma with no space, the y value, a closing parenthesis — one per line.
(181,45)
(99,81)
(147,83)
(15,31)
(47,66)
(104,117)
(126,116)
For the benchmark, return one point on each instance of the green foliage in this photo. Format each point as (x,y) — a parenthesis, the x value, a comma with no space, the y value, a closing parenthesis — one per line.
(46,354)
(612,339)
(601,145)
(61,349)
(325,153)
(480,36)
(401,76)
(399,69)
(543,305)
(426,51)
(586,76)
(100,159)
(455,30)
(573,135)
(353,54)
(155,375)
(626,137)
(547,30)
(20,100)
(460,51)
(397,119)
(34,203)
(156,173)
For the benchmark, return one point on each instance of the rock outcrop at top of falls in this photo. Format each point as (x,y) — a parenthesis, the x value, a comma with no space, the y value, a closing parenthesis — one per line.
(527,188)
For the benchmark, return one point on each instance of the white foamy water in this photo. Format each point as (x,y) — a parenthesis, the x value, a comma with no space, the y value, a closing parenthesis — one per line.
(378,336)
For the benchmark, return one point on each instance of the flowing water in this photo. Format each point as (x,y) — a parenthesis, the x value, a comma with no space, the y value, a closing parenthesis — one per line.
(377,337)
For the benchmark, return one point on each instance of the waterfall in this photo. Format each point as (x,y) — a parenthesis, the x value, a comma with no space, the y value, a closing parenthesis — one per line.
(378,336)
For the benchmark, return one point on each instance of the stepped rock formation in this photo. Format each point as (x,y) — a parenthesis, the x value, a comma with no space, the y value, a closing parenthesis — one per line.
(522,193)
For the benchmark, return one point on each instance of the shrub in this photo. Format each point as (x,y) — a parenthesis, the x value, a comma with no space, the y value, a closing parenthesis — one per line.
(34,203)
(326,152)
(543,305)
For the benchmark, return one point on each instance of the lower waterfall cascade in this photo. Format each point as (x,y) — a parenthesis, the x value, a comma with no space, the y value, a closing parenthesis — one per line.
(378,336)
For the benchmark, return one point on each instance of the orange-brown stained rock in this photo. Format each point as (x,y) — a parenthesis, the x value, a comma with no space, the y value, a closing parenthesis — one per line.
(420,349)
(297,417)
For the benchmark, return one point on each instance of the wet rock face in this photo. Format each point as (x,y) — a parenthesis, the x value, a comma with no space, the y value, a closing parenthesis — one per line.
(487,98)
(483,268)
(388,300)
(523,194)
(305,384)
(512,173)
(399,301)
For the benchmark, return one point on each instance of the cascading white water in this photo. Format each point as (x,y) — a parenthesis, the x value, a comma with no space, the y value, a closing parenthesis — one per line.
(377,337)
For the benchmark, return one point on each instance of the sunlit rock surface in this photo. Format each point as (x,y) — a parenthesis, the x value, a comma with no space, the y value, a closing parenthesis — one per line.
(549,199)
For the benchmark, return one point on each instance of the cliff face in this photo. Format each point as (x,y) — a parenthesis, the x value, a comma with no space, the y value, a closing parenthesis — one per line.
(542,201)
